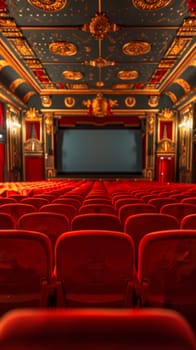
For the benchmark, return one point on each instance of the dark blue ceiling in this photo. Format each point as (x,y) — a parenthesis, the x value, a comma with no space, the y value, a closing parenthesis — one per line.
(51,46)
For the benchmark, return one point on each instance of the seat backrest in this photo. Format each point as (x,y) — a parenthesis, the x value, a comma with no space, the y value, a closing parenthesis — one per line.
(94,262)
(25,263)
(179,210)
(37,202)
(68,200)
(159,202)
(51,224)
(98,200)
(96,208)
(127,200)
(16,210)
(167,269)
(188,222)
(66,209)
(191,200)
(137,208)
(101,221)
(138,225)
(6,221)
(100,329)
(6,200)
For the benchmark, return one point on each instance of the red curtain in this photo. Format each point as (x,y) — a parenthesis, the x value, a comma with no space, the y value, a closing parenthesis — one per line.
(32,130)
(34,168)
(165,170)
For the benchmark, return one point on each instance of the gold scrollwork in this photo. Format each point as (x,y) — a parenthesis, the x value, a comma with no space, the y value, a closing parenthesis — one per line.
(128,74)
(63,48)
(150,5)
(69,101)
(49,5)
(130,101)
(136,48)
(72,75)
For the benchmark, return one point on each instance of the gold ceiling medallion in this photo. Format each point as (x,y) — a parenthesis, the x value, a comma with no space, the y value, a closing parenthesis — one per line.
(150,5)
(63,48)
(49,5)
(184,84)
(72,75)
(46,101)
(130,101)
(99,26)
(69,102)
(136,48)
(127,74)
(153,101)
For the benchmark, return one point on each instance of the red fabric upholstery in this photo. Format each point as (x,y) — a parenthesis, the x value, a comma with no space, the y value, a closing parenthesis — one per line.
(101,221)
(100,329)
(25,269)
(16,210)
(94,267)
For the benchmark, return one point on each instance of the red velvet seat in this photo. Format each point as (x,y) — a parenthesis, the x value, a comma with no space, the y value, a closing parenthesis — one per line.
(25,269)
(100,329)
(127,200)
(98,200)
(6,221)
(16,210)
(167,271)
(94,268)
(137,226)
(96,208)
(188,222)
(191,200)
(6,200)
(137,208)
(179,210)
(159,202)
(66,209)
(36,201)
(101,221)
(68,200)
(51,224)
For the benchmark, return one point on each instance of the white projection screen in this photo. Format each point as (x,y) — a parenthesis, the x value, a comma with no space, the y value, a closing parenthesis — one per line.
(86,150)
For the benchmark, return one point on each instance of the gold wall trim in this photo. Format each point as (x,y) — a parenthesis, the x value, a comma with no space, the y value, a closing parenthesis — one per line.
(171,95)
(28,95)
(184,84)
(3,64)
(13,86)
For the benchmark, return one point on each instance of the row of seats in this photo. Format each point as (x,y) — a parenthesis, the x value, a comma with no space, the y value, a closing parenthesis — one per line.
(53,224)
(103,329)
(96,268)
